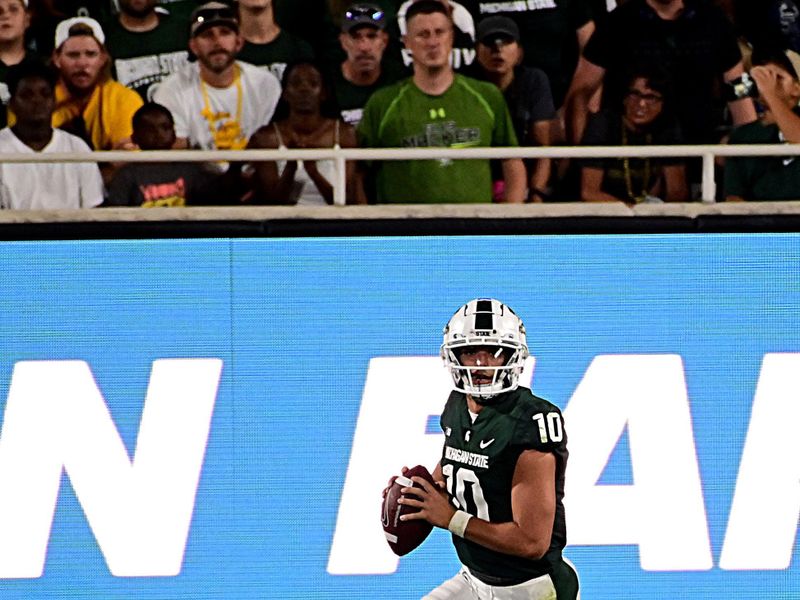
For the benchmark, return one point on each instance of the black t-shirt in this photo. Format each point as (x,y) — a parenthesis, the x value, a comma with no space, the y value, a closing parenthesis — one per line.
(285,49)
(5,95)
(771,23)
(311,20)
(547,31)
(159,184)
(351,98)
(695,50)
(529,100)
(641,174)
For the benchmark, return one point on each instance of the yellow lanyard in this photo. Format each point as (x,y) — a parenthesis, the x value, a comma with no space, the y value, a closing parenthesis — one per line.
(229,136)
(626,167)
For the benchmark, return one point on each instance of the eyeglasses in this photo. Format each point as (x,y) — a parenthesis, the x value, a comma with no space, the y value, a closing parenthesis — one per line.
(638,96)
(359,12)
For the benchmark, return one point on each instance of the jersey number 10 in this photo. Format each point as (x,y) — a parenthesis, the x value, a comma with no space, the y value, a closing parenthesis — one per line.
(464,476)
(550,427)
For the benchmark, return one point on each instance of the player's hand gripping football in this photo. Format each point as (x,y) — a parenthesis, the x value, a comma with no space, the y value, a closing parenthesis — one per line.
(431,500)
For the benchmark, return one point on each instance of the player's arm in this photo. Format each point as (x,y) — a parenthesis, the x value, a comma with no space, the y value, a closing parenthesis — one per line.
(533,504)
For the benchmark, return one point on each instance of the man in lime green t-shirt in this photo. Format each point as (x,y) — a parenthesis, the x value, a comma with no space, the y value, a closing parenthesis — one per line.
(439,108)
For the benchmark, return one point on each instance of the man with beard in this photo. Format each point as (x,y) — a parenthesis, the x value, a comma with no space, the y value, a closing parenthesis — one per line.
(217,102)
(146,45)
(89,103)
(363,39)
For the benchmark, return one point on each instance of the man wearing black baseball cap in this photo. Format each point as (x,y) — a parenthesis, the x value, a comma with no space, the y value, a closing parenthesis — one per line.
(363,39)
(218,101)
(527,93)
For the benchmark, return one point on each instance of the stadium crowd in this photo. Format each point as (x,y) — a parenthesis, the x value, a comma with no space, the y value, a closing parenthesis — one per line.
(83,75)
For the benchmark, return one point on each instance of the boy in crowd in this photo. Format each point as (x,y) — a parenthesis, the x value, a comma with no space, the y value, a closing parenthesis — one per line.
(157,183)
(27,186)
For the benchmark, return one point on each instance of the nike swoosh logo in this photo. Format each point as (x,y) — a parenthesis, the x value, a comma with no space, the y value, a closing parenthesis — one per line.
(486,444)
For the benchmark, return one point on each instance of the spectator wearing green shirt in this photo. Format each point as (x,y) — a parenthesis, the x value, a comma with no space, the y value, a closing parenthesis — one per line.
(436,107)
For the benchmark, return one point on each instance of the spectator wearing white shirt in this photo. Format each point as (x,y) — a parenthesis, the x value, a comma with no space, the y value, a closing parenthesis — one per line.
(30,186)
(218,102)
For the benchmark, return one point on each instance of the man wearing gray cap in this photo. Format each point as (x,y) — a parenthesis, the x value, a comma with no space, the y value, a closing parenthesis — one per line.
(217,102)
(527,93)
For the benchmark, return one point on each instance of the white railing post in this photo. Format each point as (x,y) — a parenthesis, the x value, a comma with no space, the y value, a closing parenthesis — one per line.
(709,185)
(340,185)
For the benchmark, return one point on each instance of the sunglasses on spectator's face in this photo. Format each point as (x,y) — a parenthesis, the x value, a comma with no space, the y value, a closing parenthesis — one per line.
(357,12)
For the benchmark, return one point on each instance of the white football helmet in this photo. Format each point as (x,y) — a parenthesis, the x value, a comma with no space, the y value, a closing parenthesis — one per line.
(485,322)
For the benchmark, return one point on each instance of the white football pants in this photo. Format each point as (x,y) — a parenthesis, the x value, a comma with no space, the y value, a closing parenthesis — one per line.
(466,587)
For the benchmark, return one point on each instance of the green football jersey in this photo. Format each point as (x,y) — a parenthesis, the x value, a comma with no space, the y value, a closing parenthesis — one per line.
(478,462)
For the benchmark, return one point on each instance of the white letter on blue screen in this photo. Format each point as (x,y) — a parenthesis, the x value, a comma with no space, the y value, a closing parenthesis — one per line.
(663,511)
(56,418)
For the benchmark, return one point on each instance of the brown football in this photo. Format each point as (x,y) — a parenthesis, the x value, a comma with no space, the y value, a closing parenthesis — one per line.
(404,536)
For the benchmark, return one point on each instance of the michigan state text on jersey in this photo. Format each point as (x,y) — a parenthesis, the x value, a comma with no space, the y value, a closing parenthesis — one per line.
(502,467)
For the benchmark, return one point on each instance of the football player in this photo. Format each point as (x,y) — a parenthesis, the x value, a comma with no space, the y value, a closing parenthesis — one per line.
(501,475)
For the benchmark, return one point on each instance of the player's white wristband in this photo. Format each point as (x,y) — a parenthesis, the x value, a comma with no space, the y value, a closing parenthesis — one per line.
(458,524)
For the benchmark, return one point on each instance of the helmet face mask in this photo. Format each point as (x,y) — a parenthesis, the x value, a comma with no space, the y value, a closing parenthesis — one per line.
(489,325)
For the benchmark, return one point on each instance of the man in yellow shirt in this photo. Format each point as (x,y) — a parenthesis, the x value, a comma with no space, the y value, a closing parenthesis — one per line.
(89,103)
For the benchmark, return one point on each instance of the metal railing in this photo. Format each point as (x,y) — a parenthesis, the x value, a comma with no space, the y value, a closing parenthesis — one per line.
(708,154)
